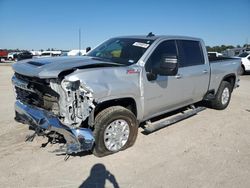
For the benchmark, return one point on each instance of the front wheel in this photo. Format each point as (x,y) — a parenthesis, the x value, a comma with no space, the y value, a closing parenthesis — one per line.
(223,96)
(116,129)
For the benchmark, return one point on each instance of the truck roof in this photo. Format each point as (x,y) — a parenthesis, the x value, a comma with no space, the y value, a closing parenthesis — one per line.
(160,37)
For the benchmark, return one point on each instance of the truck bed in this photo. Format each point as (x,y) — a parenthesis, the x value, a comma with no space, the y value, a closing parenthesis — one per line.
(221,58)
(220,67)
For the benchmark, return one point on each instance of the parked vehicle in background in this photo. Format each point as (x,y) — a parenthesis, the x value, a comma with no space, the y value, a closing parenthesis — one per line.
(214,54)
(3,54)
(245,62)
(36,52)
(50,53)
(23,55)
(97,102)
(64,53)
(235,51)
(12,56)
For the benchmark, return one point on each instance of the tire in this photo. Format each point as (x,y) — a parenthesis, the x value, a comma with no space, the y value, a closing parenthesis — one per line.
(223,96)
(105,121)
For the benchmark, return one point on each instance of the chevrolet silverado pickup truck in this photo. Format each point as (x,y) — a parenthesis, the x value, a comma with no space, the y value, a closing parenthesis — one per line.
(97,102)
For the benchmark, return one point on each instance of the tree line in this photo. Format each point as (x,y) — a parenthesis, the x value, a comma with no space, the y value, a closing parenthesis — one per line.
(224,47)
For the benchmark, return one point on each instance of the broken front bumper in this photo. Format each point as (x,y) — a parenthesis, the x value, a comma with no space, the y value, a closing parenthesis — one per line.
(77,139)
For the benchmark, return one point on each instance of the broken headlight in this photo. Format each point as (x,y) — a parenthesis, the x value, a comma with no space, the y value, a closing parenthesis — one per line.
(71,85)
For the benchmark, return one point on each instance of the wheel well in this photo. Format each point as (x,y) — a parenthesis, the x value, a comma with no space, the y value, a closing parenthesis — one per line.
(243,66)
(128,103)
(231,79)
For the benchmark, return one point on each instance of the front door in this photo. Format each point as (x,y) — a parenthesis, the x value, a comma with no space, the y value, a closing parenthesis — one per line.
(165,92)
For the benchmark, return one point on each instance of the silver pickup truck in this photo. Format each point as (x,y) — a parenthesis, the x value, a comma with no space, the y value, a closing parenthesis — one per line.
(97,102)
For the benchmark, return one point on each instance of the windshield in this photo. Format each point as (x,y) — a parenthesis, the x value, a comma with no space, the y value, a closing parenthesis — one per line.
(124,51)
(245,54)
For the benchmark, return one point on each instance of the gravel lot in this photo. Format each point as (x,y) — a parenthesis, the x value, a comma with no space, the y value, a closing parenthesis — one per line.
(211,149)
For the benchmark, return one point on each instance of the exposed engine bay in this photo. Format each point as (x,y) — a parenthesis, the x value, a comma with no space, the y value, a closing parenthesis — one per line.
(71,102)
(75,101)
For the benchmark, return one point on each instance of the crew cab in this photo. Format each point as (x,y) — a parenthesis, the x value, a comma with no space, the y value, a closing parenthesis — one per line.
(98,101)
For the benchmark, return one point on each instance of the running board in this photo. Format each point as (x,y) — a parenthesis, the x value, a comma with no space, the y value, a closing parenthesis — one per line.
(154,126)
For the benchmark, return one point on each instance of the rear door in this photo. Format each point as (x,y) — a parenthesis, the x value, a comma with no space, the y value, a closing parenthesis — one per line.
(193,67)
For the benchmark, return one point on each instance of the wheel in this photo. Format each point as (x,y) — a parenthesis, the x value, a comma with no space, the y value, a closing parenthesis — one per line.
(115,129)
(223,96)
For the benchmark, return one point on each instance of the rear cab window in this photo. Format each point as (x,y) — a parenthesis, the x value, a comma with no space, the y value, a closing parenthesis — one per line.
(190,53)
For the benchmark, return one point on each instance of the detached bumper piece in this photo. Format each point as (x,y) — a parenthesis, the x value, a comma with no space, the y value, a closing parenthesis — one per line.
(77,139)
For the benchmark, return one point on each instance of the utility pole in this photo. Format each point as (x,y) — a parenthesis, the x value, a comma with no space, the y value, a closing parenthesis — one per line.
(79,41)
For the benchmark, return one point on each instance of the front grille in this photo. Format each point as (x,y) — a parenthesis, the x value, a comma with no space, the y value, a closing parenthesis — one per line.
(32,79)
(29,97)
(39,95)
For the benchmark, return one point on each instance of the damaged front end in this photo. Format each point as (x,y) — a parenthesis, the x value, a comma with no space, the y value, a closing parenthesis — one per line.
(75,102)
(58,106)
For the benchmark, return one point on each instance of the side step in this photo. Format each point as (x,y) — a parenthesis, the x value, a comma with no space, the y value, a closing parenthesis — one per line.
(154,126)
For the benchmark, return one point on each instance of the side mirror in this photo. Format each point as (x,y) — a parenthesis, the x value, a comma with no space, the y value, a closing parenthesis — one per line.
(168,66)
(88,49)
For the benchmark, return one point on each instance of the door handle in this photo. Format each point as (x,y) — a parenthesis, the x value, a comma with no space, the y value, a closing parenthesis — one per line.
(205,71)
(178,76)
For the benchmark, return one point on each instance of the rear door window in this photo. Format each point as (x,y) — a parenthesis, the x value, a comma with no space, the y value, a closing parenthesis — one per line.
(190,53)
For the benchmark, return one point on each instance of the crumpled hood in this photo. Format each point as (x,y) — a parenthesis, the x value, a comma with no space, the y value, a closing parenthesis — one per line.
(51,67)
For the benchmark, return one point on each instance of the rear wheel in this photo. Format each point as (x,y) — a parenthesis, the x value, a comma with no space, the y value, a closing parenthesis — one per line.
(115,130)
(223,96)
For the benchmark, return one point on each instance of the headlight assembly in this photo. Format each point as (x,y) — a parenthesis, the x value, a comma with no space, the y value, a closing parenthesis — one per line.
(70,85)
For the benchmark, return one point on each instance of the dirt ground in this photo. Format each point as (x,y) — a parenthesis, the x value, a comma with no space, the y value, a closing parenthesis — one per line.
(211,149)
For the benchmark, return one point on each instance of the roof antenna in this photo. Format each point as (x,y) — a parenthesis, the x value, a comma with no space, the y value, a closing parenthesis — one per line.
(150,34)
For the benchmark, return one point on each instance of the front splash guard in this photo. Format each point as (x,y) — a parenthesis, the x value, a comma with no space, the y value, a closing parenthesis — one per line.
(77,139)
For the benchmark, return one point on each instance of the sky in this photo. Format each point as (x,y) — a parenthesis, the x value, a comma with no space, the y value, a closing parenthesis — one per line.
(42,24)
